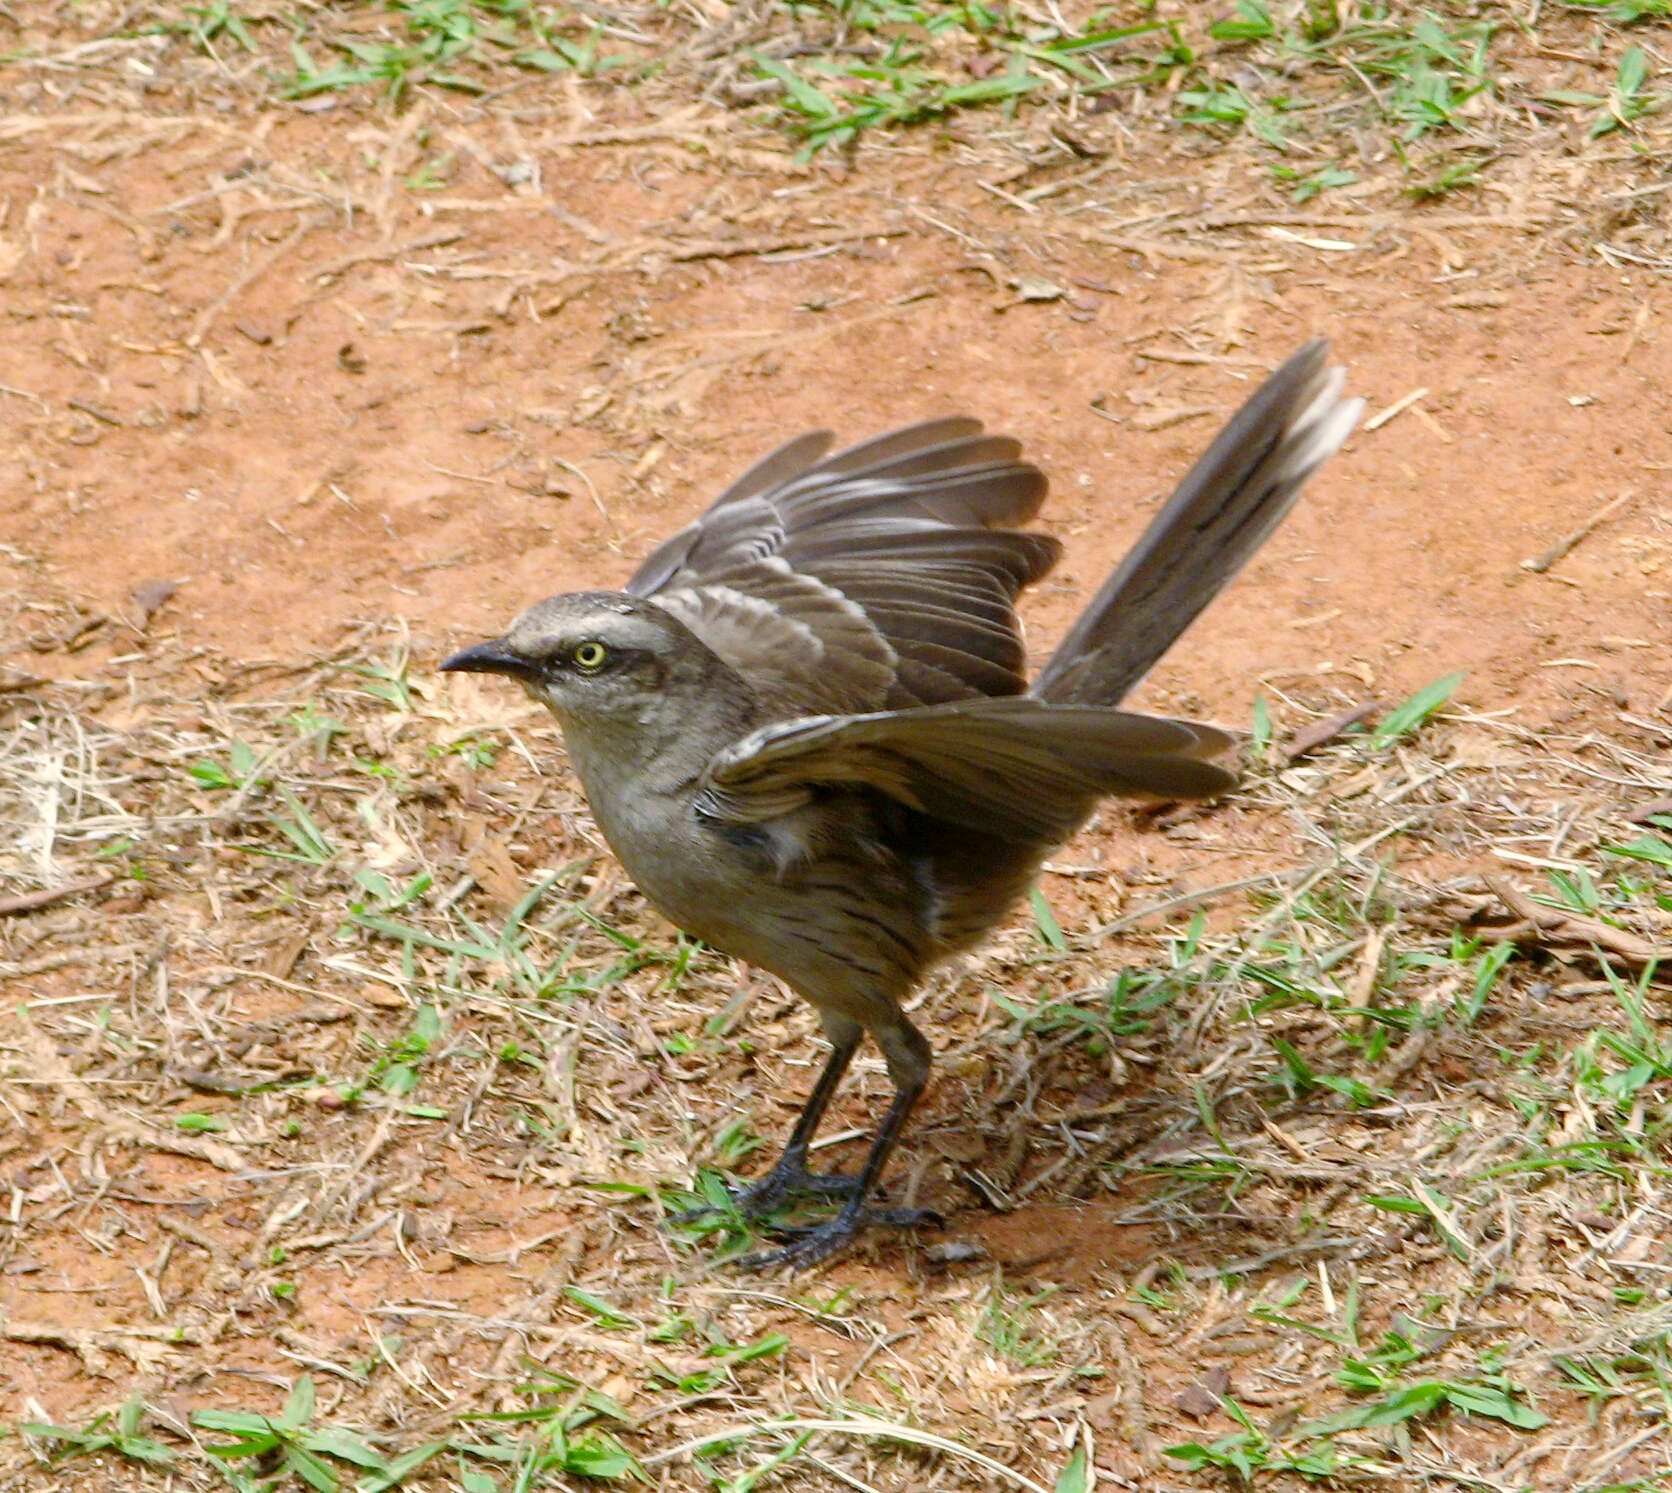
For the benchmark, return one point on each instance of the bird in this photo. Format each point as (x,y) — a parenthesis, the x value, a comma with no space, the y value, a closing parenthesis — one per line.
(806,730)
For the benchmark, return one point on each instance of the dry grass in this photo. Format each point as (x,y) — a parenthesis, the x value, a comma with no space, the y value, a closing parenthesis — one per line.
(1543,119)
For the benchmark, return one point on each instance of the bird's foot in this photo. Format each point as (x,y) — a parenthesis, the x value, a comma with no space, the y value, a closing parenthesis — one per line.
(788,1179)
(817,1242)
(784,1182)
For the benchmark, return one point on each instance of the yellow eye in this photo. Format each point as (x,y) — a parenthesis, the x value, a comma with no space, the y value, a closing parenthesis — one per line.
(589,657)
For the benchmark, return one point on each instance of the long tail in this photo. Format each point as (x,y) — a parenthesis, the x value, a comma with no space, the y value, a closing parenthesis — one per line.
(1209,529)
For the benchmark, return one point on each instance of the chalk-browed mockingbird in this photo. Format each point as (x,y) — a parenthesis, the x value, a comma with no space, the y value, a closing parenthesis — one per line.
(805,729)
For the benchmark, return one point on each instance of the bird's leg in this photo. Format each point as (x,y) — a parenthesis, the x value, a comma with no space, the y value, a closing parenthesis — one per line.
(789,1174)
(908,1065)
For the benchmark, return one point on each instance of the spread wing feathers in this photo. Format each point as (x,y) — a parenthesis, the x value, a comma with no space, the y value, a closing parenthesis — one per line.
(910,527)
(956,620)
(1016,768)
(801,645)
(777,467)
(1227,505)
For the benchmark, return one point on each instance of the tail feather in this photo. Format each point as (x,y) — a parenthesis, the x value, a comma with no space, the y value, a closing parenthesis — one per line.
(1208,530)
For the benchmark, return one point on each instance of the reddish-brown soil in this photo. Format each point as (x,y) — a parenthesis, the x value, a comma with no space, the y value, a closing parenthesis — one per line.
(305,420)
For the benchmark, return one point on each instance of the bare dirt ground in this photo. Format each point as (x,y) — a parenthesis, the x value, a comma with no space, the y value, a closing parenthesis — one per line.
(297,1081)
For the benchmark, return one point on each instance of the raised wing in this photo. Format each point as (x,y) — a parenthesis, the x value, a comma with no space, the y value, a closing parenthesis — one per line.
(1017,768)
(905,535)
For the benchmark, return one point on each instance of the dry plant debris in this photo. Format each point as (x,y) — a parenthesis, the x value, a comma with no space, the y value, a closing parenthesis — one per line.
(346,1085)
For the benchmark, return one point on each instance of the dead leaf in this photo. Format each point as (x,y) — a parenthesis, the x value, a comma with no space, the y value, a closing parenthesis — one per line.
(1310,738)
(1201,1399)
(496,873)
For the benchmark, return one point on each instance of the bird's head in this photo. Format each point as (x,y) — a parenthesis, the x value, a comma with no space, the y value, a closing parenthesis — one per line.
(615,670)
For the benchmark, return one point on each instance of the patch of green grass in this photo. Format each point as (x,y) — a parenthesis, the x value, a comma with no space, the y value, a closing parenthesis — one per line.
(397,1065)
(204,25)
(263,1448)
(1379,1378)
(450,44)
(507,954)
(1640,1369)
(1627,101)
(1653,850)
(239,771)
(1303,187)
(1227,107)
(1405,719)
(435,41)
(1299,1078)
(886,63)
(830,72)
(1122,1008)
(478,749)
(1007,1325)
(830,104)
(120,1435)
(558,1434)
(310,844)
(1431,71)
(1442,175)
(1393,1398)
(1251,1451)
(1420,75)
(389,681)
(1624,12)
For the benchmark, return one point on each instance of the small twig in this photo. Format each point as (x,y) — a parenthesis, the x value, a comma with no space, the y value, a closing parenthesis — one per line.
(737,248)
(1398,407)
(240,283)
(1555,925)
(1319,733)
(462,476)
(587,482)
(1191,899)
(34,901)
(1563,545)
(389,251)
(102,415)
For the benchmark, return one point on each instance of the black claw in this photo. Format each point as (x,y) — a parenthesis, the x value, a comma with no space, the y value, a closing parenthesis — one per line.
(814,1244)
(782,1183)
(697,1214)
(907,1218)
(810,1244)
(771,1192)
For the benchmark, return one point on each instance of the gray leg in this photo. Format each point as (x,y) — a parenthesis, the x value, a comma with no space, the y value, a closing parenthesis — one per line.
(789,1174)
(908,1065)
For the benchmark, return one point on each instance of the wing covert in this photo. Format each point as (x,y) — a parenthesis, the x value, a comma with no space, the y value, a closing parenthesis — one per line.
(1012,767)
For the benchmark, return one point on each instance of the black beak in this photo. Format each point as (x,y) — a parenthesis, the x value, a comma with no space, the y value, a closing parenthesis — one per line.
(492,657)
